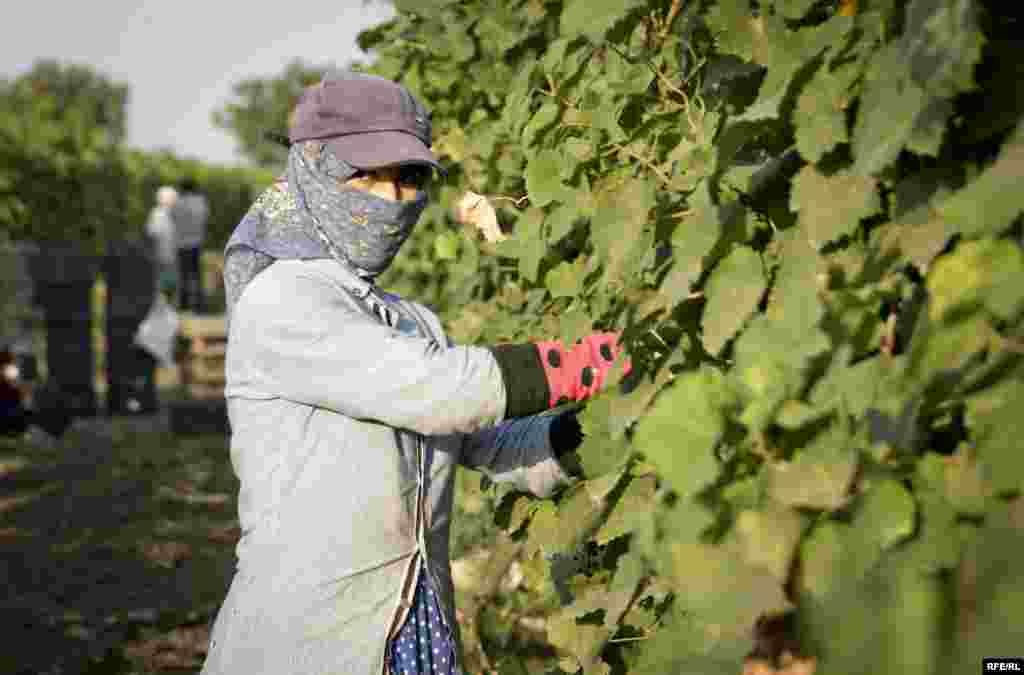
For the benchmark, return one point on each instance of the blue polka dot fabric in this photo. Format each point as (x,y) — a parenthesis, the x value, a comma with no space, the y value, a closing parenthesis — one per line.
(423,645)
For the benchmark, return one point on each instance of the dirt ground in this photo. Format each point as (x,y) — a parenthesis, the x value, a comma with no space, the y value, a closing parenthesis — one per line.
(116,548)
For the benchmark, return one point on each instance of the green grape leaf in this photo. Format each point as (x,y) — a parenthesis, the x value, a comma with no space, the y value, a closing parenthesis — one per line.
(583,641)
(992,578)
(960,478)
(888,621)
(795,9)
(820,476)
(593,18)
(629,572)
(836,556)
(887,515)
(692,242)
(626,409)
(561,221)
(992,201)
(523,508)
(547,533)
(446,246)
(681,429)
(546,116)
(937,546)
(574,324)
(531,243)
(554,58)
(622,208)
(772,354)
(930,127)
(768,539)
(789,52)
(918,235)
(943,347)
(565,280)
(632,511)
(809,484)
(942,45)
(997,425)
(681,645)
(821,558)
(543,178)
(736,30)
(600,452)
(831,206)
(820,116)
(854,387)
(724,593)
(733,291)
(889,107)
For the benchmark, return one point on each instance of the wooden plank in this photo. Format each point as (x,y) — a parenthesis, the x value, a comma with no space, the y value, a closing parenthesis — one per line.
(205,325)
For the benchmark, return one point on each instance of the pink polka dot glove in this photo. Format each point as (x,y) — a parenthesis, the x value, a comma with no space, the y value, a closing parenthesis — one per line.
(578,373)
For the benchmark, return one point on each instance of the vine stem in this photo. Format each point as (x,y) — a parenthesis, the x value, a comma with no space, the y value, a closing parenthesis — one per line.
(1014,345)
(670,18)
(644,161)
(518,201)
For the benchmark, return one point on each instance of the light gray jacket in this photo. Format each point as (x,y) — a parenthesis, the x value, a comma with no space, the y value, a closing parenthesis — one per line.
(345,436)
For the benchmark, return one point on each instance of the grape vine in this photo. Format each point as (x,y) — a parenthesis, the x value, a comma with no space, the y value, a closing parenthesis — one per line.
(804,217)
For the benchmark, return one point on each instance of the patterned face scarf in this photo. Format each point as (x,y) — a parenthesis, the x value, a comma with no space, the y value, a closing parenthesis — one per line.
(317,216)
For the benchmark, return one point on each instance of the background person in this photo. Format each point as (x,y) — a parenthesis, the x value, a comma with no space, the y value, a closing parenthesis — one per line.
(350,409)
(161,230)
(190,214)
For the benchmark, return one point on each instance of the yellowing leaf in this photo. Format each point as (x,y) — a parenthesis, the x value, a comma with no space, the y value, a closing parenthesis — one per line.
(725,594)
(768,539)
(986,273)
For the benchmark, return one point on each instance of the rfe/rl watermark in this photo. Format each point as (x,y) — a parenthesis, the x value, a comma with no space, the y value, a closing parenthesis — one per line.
(1002,666)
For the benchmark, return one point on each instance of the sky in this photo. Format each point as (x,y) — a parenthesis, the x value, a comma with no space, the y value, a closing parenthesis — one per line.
(181,58)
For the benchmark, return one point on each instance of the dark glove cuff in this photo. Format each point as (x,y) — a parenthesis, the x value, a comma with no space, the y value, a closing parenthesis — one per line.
(565,434)
(526,386)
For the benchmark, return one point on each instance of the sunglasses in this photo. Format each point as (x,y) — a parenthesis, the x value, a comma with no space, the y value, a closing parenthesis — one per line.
(414,175)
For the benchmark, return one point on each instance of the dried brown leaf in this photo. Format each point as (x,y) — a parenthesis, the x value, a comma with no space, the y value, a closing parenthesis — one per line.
(476,210)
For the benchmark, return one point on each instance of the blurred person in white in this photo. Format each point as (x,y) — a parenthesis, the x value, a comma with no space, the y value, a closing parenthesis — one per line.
(161,230)
(190,214)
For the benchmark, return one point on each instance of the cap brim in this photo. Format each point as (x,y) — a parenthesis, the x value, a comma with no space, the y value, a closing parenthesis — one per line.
(375,149)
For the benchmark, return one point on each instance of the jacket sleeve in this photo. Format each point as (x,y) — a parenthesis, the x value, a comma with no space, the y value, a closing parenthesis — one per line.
(294,335)
(517,451)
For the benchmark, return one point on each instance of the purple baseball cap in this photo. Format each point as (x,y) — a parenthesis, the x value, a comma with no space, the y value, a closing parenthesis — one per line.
(366,120)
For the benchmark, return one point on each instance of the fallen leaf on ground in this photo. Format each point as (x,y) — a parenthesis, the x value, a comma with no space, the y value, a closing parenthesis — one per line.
(167,553)
(196,498)
(15,533)
(228,534)
(183,648)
